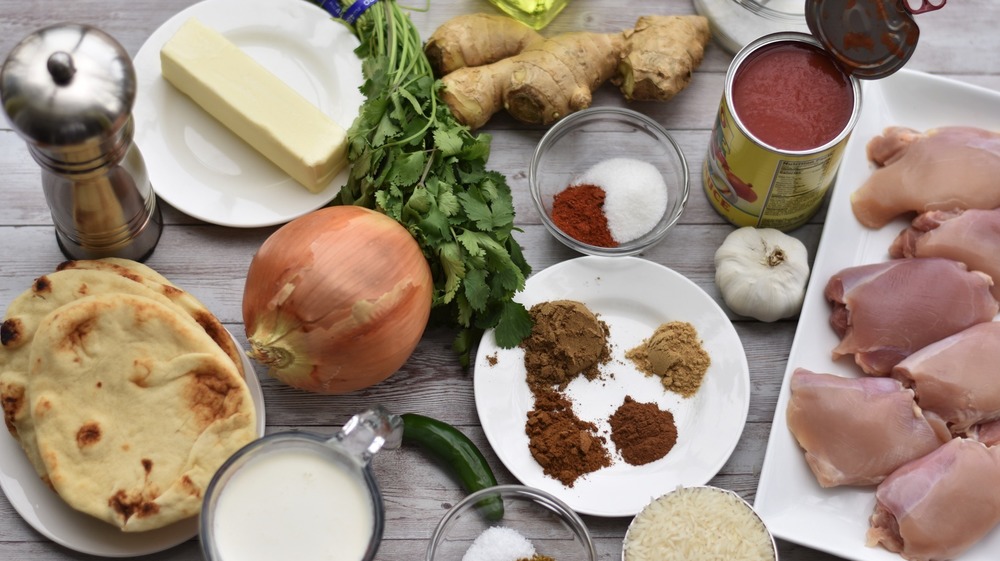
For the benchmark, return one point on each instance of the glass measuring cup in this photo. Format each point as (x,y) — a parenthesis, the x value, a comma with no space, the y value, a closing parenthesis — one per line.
(297,495)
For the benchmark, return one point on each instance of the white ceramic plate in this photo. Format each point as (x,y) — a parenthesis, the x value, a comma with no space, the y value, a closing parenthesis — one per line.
(46,512)
(199,166)
(633,296)
(792,504)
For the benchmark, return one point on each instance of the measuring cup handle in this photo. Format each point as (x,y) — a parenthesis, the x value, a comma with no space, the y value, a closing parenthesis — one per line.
(368,432)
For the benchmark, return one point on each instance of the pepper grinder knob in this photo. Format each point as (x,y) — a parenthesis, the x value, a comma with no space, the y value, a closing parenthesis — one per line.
(68,91)
(61,68)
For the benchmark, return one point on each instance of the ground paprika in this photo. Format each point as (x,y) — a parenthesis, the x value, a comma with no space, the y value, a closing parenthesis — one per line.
(578,211)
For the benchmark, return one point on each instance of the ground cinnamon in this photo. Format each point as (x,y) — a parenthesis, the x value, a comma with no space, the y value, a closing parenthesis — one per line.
(578,211)
(642,432)
(565,446)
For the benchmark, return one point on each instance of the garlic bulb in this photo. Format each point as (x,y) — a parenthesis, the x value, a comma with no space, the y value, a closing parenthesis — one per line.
(762,273)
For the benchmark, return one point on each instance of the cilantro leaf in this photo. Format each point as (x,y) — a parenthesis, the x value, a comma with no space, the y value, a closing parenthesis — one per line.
(412,160)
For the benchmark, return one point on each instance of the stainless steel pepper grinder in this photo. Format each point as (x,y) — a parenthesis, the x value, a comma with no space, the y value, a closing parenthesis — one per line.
(68,91)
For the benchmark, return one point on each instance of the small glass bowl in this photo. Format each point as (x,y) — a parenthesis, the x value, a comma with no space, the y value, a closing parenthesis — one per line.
(579,141)
(548,523)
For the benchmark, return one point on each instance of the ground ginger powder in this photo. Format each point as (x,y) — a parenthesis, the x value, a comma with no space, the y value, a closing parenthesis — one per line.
(675,354)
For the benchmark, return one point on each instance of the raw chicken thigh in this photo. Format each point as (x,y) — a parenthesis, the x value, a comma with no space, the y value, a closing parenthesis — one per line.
(958,377)
(943,169)
(988,433)
(856,431)
(970,236)
(884,312)
(938,506)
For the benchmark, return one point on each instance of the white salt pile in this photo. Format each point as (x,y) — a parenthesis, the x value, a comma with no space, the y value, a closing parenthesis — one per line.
(635,195)
(499,543)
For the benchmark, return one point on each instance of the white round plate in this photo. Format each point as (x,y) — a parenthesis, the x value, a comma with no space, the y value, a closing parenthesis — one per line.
(46,512)
(201,168)
(633,297)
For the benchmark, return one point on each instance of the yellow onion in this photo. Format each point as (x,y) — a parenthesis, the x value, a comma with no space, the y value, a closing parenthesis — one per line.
(336,300)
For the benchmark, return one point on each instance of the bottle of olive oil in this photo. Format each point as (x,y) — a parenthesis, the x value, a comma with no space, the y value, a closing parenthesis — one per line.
(535,13)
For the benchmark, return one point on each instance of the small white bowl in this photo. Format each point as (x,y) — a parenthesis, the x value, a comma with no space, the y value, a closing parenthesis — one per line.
(579,141)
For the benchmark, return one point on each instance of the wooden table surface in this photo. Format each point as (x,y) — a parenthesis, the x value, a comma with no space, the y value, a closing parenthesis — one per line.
(959,41)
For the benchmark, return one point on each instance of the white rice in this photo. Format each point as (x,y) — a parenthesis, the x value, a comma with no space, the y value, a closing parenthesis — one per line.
(698,524)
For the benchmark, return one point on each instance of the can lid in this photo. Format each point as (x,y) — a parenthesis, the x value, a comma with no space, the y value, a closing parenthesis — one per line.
(870,38)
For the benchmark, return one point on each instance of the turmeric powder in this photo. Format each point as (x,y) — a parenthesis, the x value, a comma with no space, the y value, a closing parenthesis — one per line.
(487,65)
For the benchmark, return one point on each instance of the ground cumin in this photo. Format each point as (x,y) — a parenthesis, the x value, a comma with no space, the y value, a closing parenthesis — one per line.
(566,339)
(564,445)
(674,353)
(642,432)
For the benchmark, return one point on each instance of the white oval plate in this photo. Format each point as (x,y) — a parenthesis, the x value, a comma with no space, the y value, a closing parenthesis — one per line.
(53,518)
(793,505)
(201,168)
(633,297)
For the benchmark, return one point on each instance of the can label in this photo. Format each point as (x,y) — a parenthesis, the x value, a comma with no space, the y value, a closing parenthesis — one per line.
(753,184)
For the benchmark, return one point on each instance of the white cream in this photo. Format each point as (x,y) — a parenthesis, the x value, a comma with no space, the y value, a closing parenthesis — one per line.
(293,505)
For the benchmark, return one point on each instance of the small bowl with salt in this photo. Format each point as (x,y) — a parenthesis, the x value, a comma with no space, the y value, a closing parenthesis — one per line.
(532,526)
(608,181)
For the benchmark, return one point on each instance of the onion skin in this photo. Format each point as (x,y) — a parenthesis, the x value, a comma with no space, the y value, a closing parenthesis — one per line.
(336,300)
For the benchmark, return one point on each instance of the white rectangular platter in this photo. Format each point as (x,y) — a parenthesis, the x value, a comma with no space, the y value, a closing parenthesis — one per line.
(792,504)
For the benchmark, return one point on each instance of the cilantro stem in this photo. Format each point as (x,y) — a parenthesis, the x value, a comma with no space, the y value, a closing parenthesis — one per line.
(412,160)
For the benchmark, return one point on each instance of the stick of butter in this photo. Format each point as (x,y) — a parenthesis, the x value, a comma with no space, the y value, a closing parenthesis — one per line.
(255,104)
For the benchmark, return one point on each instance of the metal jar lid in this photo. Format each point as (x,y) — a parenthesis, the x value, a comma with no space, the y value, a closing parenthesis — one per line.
(67,85)
(870,38)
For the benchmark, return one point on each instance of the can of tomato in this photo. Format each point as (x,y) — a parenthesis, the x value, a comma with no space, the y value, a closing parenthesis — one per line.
(790,103)
(783,122)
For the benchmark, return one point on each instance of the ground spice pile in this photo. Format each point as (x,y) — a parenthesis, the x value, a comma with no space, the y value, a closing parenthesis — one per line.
(675,354)
(566,340)
(642,432)
(578,211)
(564,445)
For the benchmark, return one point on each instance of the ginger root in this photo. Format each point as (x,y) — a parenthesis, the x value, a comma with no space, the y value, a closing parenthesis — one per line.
(488,63)
(543,83)
(475,40)
(663,52)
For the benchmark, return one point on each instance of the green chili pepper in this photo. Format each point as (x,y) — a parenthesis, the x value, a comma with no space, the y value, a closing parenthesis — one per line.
(458,453)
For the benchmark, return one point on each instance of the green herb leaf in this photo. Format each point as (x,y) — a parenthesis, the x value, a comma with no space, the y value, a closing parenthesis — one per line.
(413,161)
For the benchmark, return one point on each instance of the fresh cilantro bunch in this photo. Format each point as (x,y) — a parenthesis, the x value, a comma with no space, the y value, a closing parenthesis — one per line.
(413,161)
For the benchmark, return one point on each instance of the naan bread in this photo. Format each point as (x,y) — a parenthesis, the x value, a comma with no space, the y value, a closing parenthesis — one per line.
(134,408)
(149,277)
(117,265)
(24,314)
